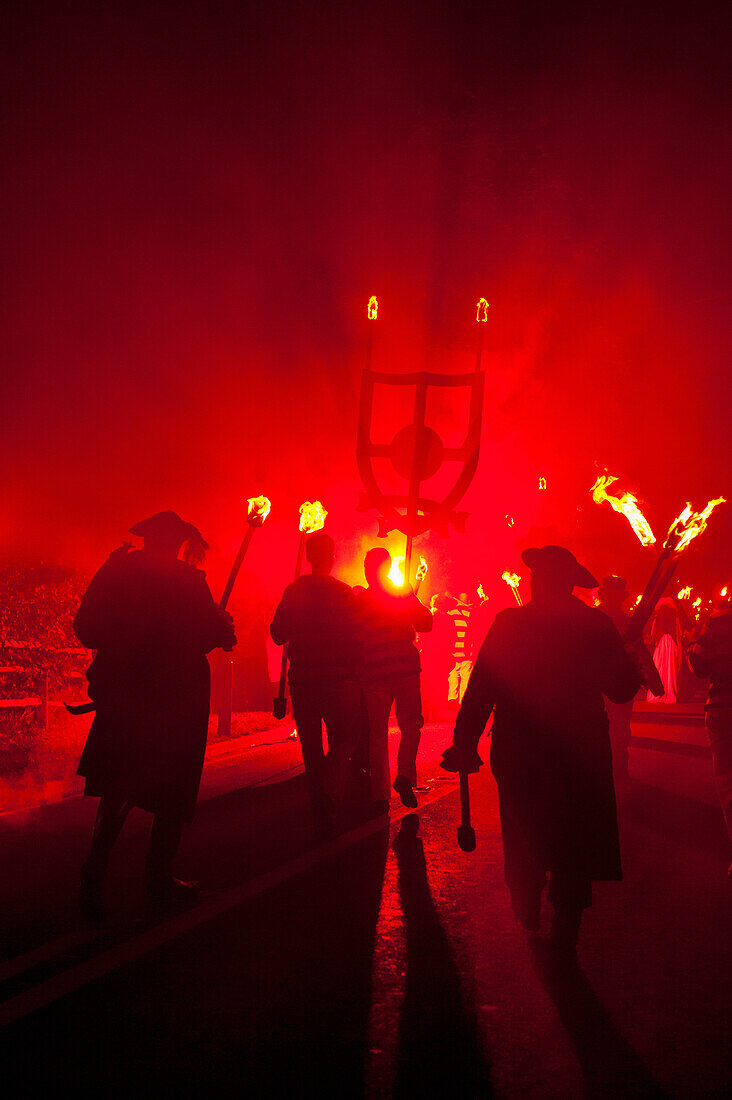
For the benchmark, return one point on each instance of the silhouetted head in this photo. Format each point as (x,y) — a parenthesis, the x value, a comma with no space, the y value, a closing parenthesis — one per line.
(376,566)
(320,551)
(555,571)
(613,591)
(165,532)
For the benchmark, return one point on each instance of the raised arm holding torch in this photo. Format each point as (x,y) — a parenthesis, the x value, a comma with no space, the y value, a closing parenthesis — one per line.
(258,509)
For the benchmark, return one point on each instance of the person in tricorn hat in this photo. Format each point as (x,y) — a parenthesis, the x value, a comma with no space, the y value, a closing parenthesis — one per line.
(543,670)
(151,619)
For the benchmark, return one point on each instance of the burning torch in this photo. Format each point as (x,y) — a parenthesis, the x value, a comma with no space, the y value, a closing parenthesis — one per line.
(421,574)
(682,531)
(626,505)
(312,518)
(513,580)
(258,509)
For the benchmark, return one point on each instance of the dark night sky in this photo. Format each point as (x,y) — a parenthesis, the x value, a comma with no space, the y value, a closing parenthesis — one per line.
(199,200)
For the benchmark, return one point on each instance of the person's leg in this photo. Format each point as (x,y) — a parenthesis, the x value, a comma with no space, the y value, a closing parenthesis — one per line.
(162,886)
(111,815)
(307,709)
(379,698)
(522,872)
(570,894)
(341,706)
(408,705)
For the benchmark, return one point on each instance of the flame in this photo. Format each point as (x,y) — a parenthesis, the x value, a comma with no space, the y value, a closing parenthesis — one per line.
(481,592)
(638,599)
(512,579)
(690,524)
(312,516)
(542,484)
(396,573)
(723,591)
(697,602)
(258,508)
(510,520)
(684,593)
(482,308)
(627,505)
(372,309)
(421,569)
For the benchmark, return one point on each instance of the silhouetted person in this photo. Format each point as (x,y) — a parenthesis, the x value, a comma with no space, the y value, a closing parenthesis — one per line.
(390,670)
(459,615)
(437,660)
(152,620)
(711,657)
(543,670)
(666,638)
(611,595)
(316,619)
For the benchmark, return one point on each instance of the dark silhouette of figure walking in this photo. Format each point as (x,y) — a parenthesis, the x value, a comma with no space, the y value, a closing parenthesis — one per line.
(390,671)
(316,619)
(152,620)
(543,670)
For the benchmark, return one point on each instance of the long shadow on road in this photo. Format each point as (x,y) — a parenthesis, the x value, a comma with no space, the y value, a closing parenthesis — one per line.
(440,1051)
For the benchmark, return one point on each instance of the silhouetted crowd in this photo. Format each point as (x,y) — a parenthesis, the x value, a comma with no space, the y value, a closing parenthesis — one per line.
(553,677)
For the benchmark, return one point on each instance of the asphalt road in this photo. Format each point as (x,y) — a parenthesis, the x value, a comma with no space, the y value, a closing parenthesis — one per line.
(384,963)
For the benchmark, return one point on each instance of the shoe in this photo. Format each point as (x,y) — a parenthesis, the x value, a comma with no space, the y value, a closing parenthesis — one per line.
(167,892)
(404,789)
(91,903)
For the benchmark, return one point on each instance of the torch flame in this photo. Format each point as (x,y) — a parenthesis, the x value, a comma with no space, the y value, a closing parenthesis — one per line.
(509,520)
(312,516)
(372,309)
(723,591)
(684,593)
(512,579)
(258,509)
(542,484)
(396,573)
(627,505)
(421,569)
(482,310)
(690,524)
(481,592)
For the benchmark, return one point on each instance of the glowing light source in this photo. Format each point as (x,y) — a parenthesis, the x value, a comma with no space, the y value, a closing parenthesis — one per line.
(723,591)
(482,308)
(312,516)
(421,569)
(372,309)
(258,508)
(542,484)
(396,573)
(697,602)
(509,521)
(481,592)
(689,524)
(684,593)
(627,505)
(513,580)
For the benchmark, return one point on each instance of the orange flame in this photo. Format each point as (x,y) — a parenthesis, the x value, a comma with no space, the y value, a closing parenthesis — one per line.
(542,484)
(482,308)
(509,520)
(513,580)
(396,573)
(372,309)
(481,592)
(684,593)
(421,569)
(312,516)
(723,591)
(690,524)
(258,508)
(627,505)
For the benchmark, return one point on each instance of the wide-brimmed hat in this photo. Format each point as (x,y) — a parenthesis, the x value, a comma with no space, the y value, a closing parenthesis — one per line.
(560,563)
(613,587)
(164,524)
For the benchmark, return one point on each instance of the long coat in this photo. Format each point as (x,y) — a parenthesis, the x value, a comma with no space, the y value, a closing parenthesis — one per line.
(151,623)
(543,670)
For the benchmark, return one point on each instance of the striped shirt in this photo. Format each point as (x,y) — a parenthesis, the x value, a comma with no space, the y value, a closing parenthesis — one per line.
(460,617)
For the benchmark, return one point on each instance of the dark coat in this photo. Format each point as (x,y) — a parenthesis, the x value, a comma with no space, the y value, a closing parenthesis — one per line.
(151,623)
(543,670)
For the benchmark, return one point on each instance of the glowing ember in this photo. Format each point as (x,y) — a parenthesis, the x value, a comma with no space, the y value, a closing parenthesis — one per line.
(697,602)
(481,592)
(723,591)
(312,516)
(684,593)
(258,509)
(690,524)
(482,310)
(396,573)
(542,484)
(372,309)
(421,569)
(638,599)
(627,505)
(509,520)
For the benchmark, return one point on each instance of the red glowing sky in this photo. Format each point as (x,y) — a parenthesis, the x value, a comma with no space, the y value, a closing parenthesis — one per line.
(199,202)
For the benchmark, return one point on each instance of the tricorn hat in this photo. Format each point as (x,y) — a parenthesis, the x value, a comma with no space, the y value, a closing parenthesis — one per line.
(164,524)
(614,587)
(558,562)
